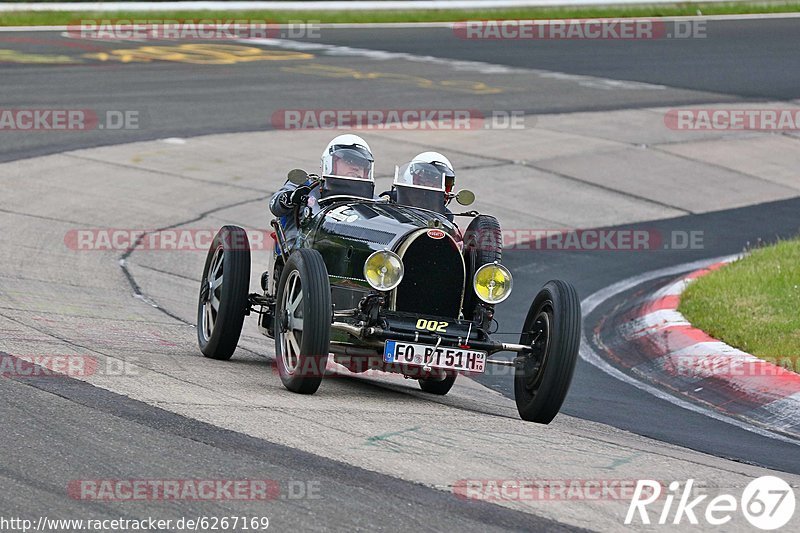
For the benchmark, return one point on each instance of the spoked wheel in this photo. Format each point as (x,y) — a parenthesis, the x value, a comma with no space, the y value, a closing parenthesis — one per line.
(303,321)
(439,387)
(552,329)
(223,301)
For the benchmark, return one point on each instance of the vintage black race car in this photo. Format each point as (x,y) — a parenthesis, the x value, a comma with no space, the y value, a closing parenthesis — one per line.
(391,284)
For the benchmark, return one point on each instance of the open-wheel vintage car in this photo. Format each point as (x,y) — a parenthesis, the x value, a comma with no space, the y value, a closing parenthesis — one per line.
(390,284)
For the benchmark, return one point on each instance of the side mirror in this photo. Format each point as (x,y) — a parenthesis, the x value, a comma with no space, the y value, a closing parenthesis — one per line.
(298,176)
(465,197)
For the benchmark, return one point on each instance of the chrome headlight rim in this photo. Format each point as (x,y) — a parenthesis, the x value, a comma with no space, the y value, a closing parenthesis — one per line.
(387,254)
(505,271)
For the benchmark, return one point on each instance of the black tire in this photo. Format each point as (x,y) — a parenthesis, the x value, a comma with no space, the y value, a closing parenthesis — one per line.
(439,388)
(218,329)
(483,244)
(301,364)
(553,328)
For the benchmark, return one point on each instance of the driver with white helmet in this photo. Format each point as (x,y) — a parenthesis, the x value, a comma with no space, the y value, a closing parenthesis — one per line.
(346,155)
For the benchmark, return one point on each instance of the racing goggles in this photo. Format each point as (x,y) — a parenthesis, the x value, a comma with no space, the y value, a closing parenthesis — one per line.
(352,162)
(426,175)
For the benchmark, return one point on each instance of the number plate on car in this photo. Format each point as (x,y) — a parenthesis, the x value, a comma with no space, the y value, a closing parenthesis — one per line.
(409,353)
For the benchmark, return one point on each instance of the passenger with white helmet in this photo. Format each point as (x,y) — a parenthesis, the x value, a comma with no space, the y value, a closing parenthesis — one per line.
(346,155)
(428,170)
(442,164)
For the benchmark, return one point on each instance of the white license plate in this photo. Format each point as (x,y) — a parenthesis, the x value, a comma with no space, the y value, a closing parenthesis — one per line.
(409,353)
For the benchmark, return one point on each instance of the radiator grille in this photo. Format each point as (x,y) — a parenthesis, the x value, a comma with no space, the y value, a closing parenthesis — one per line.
(434,278)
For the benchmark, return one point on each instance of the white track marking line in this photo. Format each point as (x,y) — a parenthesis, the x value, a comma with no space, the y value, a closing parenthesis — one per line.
(355,5)
(459,65)
(591,303)
(675,289)
(647,324)
(712,348)
(388,25)
(451,24)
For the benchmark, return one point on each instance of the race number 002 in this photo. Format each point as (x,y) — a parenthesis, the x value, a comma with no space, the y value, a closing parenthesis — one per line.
(432,325)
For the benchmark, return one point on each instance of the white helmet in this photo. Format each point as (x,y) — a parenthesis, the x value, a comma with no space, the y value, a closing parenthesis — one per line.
(348,155)
(440,162)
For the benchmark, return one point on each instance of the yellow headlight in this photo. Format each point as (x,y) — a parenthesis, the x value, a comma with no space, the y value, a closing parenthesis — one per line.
(493,283)
(384,270)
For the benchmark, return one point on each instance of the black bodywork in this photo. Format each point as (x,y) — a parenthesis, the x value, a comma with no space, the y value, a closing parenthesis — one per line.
(316,300)
(346,229)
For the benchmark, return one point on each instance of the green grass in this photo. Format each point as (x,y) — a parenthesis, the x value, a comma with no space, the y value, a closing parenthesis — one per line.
(27,18)
(753,304)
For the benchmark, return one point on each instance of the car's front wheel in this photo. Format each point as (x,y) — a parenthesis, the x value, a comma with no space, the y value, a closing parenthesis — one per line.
(222,303)
(483,244)
(303,321)
(553,330)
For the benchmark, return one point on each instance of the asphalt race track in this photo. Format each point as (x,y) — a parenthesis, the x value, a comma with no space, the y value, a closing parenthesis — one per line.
(723,67)
(197,419)
(728,232)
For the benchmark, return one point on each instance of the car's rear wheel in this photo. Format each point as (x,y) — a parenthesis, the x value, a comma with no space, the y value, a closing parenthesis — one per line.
(552,329)
(483,244)
(303,321)
(222,303)
(438,387)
